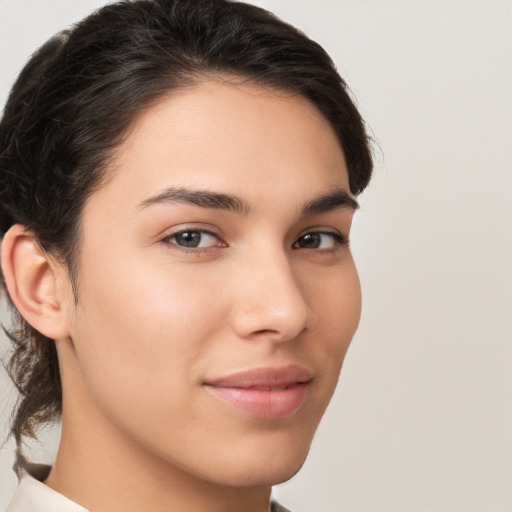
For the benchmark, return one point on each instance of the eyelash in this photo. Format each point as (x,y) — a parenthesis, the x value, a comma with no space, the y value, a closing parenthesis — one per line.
(168,240)
(337,238)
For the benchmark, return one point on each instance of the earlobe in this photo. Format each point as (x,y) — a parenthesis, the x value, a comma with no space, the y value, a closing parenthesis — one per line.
(31,277)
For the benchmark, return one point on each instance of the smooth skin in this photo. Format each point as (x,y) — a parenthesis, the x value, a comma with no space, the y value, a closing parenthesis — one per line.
(173,294)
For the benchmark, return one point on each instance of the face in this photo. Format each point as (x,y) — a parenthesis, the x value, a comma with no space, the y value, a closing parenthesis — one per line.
(217,291)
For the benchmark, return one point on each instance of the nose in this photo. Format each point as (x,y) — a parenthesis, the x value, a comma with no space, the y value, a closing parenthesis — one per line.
(270,302)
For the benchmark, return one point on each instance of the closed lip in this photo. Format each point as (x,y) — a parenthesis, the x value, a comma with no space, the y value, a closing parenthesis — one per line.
(264,378)
(270,393)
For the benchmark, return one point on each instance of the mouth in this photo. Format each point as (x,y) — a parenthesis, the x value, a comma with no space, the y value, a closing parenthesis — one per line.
(265,393)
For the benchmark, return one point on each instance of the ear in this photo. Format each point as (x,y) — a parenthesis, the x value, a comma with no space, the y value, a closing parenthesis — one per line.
(34,281)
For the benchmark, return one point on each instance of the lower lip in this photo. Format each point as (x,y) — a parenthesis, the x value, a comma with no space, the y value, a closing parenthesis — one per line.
(266,405)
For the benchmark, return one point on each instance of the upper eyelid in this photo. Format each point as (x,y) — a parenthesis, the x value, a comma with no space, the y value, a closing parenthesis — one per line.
(199,230)
(323,231)
(335,234)
(183,228)
(167,241)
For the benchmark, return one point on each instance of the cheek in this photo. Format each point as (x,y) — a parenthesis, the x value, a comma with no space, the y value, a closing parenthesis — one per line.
(336,299)
(136,326)
(337,304)
(343,305)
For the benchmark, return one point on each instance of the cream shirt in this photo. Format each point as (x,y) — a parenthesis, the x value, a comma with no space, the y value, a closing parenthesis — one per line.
(34,496)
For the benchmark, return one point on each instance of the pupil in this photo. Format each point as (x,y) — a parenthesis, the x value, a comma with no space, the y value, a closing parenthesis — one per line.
(311,240)
(188,239)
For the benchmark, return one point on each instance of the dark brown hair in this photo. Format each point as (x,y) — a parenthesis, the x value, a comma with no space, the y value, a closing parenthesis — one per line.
(78,95)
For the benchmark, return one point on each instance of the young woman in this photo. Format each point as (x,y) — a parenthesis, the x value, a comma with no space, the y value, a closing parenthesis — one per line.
(177,185)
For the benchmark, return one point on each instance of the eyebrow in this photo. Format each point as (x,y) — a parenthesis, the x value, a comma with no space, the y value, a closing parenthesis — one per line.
(334,199)
(202,198)
(337,198)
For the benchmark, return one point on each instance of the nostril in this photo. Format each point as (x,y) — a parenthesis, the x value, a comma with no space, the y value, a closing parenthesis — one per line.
(264,332)
(276,335)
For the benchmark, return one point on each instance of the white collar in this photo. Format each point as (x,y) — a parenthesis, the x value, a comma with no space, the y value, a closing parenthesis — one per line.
(32,495)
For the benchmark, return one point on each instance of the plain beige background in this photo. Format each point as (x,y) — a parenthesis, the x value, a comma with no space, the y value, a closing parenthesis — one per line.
(422,419)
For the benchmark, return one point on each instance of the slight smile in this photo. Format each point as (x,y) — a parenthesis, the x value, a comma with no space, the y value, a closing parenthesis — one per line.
(265,393)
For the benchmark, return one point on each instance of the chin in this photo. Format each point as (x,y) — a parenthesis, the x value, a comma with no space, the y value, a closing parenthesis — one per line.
(280,475)
(268,471)
(263,456)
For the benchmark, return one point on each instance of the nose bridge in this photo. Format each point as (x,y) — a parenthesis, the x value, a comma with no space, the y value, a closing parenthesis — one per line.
(271,301)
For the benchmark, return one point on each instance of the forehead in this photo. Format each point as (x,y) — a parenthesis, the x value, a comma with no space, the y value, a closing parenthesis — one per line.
(233,138)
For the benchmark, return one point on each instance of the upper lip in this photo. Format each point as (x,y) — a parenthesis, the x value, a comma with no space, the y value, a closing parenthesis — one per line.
(267,377)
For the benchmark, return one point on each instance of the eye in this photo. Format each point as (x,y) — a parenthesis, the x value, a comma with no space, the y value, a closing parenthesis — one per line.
(319,240)
(193,239)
